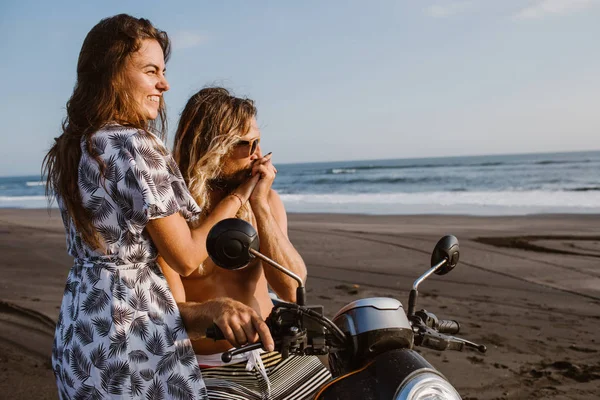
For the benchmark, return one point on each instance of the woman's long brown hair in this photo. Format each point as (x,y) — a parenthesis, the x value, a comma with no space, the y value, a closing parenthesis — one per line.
(99,97)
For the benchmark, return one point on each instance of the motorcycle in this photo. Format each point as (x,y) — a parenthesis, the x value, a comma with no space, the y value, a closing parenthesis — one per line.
(369,342)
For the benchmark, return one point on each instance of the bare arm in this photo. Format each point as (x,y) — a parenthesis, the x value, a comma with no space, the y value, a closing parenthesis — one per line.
(184,249)
(274,242)
(174,281)
(239,323)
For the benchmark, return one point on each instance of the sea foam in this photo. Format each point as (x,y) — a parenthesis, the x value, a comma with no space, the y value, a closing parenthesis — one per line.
(478,203)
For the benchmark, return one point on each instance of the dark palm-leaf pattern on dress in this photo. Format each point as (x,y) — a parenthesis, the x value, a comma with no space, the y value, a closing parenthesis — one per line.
(119,333)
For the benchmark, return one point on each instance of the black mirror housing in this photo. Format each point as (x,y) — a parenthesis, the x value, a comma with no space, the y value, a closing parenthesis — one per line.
(229,243)
(446,248)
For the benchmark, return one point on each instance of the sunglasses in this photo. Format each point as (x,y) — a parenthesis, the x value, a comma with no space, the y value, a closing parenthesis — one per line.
(252,145)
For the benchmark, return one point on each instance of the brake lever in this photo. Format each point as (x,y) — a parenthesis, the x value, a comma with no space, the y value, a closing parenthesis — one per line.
(479,347)
(432,339)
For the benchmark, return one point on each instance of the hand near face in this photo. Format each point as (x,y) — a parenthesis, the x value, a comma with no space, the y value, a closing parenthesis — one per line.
(246,188)
(266,171)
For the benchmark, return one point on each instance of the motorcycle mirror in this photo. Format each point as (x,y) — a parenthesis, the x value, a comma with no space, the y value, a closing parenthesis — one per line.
(229,243)
(445,249)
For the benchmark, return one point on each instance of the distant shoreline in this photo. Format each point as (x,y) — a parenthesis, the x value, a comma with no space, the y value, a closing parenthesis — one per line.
(499,155)
(538,183)
(351,214)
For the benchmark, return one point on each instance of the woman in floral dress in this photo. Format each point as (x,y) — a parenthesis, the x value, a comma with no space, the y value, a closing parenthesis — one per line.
(123,201)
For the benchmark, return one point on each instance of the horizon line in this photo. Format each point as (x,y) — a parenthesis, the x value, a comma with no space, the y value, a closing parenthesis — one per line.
(398,158)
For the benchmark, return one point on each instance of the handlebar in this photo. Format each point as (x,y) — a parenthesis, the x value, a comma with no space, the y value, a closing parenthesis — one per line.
(428,319)
(288,324)
(432,333)
(214,332)
(448,326)
(299,330)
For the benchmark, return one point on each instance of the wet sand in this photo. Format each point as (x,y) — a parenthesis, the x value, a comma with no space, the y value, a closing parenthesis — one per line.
(527,287)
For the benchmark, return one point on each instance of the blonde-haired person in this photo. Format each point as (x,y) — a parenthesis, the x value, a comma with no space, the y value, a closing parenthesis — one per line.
(217,146)
(119,332)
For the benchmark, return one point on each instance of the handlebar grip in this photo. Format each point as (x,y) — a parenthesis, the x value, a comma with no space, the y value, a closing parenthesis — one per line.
(448,326)
(214,332)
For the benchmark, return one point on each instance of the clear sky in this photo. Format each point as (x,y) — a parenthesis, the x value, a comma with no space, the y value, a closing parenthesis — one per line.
(334,80)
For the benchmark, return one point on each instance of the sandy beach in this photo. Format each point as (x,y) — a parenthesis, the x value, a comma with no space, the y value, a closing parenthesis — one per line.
(527,287)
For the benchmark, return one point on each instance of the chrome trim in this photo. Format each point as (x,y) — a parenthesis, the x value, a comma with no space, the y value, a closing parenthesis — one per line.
(427,273)
(415,378)
(275,265)
(380,303)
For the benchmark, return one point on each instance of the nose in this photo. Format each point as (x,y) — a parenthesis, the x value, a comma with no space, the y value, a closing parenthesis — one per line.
(163,84)
(257,154)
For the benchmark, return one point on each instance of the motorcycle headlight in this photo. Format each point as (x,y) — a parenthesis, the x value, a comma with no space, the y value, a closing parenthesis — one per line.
(427,386)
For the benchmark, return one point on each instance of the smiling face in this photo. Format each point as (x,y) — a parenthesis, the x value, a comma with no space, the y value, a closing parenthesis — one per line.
(145,77)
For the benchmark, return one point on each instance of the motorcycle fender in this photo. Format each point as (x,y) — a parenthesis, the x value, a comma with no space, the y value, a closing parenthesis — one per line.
(378,380)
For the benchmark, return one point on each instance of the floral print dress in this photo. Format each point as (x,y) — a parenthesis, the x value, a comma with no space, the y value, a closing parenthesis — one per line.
(119,333)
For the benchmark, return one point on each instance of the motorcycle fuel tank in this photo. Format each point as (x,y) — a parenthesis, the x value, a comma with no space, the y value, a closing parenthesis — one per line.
(371,314)
(375,325)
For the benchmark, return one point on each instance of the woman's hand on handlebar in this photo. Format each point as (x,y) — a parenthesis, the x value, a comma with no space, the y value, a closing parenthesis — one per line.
(240,324)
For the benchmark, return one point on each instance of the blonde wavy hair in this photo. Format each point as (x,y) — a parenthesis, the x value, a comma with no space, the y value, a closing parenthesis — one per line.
(211,123)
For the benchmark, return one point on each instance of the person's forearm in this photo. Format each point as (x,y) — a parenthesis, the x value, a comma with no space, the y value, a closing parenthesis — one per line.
(196,318)
(226,208)
(183,245)
(239,323)
(275,245)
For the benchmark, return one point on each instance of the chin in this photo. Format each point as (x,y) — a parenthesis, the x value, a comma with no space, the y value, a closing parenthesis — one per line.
(151,115)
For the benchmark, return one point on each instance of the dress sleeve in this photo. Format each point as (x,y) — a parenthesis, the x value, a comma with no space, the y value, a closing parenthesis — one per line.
(147,183)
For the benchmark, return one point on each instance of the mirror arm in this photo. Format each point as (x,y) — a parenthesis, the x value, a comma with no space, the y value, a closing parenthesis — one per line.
(428,273)
(300,291)
(412,297)
(300,296)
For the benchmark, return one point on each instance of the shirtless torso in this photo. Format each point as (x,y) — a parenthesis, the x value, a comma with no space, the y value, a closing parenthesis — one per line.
(248,285)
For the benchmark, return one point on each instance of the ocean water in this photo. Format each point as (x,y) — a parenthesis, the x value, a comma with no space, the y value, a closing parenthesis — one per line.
(480,185)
